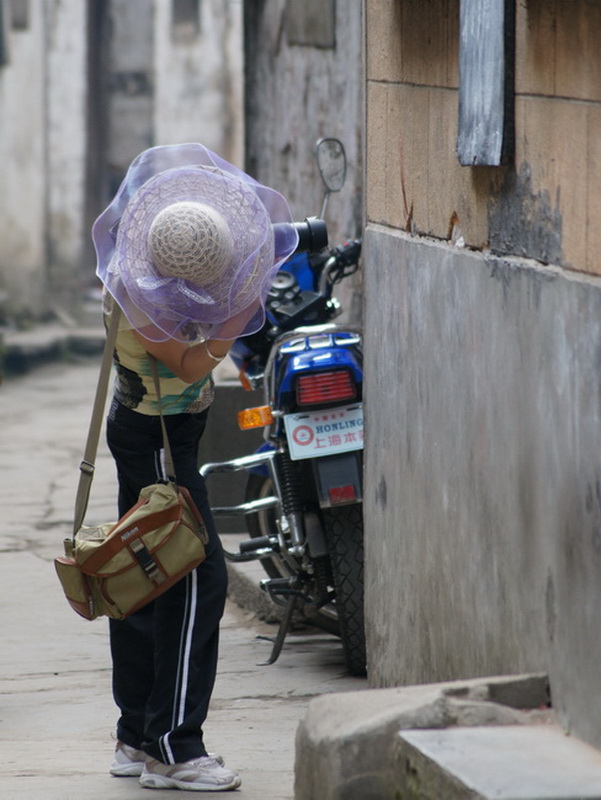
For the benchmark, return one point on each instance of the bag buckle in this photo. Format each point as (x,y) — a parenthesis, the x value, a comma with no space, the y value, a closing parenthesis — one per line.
(146,561)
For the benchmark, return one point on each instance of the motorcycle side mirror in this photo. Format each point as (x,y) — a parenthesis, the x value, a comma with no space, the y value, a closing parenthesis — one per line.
(331,162)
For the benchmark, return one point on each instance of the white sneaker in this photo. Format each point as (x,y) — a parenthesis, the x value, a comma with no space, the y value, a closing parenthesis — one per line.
(203,774)
(128,762)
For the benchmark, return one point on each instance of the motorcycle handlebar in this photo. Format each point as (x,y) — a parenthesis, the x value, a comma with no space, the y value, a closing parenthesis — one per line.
(342,262)
(348,253)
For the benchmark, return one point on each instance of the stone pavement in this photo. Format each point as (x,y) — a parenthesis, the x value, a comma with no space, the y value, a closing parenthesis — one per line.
(484,739)
(56,710)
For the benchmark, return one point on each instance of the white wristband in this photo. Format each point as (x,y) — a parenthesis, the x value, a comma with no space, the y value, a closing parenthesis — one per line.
(216,359)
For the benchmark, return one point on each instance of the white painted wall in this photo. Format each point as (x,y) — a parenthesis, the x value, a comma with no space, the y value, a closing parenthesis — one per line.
(161,89)
(130,57)
(198,79)
(65,125)
(22,221)
(42,150)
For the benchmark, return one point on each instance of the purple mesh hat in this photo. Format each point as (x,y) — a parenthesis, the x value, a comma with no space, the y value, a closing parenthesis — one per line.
(190,245)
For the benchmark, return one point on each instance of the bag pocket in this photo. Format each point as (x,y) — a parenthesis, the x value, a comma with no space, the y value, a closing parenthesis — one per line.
(76,587)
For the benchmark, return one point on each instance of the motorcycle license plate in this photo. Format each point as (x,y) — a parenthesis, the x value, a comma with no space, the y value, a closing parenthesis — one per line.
(312,434)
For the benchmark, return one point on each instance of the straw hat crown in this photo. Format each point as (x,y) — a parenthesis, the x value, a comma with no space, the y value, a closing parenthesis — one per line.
(190,240)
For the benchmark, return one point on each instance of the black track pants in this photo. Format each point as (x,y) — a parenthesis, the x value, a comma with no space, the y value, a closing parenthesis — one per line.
(165,655)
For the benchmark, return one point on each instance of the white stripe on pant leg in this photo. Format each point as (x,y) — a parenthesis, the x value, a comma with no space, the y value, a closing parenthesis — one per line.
(181,654)
(166,749)
(183,670)
(192,585)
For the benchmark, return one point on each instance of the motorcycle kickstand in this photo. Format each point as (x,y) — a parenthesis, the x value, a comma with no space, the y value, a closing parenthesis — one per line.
(278,642)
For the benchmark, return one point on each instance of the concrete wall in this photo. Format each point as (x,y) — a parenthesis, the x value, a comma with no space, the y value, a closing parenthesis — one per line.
(483,550)
(482,364)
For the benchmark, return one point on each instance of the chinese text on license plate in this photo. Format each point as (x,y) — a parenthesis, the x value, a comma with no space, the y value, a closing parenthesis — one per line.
(324,433)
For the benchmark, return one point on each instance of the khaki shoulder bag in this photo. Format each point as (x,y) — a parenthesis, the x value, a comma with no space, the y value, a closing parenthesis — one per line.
(116,568)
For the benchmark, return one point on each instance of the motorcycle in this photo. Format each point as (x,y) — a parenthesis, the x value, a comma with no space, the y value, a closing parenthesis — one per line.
(304,491)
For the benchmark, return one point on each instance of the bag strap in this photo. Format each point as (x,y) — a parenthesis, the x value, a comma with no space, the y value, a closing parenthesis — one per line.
(169,467)
(88,464)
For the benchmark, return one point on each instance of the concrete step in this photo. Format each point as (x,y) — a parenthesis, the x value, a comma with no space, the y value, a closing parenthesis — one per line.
(23,351)
(481,739)
(498,763)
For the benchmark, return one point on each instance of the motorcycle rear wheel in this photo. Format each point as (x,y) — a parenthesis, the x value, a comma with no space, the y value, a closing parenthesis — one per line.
(343,528)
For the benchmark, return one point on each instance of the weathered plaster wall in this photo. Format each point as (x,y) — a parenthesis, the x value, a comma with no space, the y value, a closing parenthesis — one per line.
(483,499)
(198,77)
(22,154)
(42,147)
(297,93)
(65,129)
(170,83)
(130,85)
(86,88)
(558,118)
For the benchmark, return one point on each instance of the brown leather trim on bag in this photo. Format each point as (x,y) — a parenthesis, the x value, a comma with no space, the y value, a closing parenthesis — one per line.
(113,546)
(204,535)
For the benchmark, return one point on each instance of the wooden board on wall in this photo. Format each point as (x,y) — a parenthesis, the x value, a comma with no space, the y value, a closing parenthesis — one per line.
(486,70)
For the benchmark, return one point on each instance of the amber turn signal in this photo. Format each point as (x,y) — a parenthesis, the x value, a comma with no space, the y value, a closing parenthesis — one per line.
(254,417)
